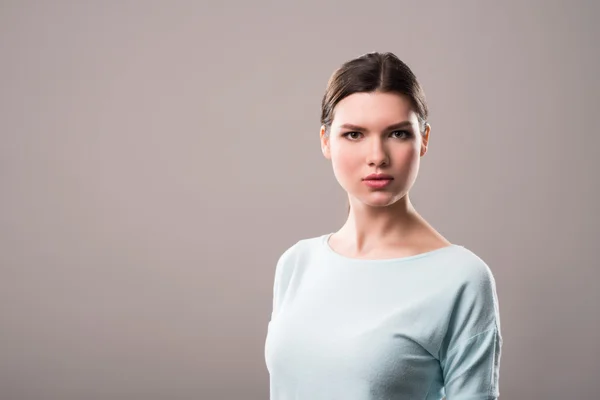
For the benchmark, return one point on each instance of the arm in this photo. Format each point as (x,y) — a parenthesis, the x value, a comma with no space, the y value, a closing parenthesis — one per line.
(471,369)
(470,353)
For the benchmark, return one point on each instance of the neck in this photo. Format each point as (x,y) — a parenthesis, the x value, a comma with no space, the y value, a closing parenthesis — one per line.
(367,227)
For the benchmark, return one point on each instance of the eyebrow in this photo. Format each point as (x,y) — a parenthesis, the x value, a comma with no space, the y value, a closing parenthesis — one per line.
(393,126)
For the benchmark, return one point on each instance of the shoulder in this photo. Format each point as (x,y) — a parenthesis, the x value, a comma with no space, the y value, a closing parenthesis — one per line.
(298,249)
(303,246)
(470,298)
(466,268)
(473,289)
(289,267)
(295,254)
(469,284)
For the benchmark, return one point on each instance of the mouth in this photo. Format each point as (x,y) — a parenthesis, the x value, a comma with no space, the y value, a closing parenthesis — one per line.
(377,183)
(378,177)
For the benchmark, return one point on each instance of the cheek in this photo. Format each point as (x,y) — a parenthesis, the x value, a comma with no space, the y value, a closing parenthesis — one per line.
(345,167)
(408,155)
(344,161)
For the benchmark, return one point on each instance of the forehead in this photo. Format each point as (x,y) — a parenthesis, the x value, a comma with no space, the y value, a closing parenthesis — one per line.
(374,110)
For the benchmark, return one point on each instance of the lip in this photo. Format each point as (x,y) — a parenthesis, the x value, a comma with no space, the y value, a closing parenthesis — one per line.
(378,176)
(377,183)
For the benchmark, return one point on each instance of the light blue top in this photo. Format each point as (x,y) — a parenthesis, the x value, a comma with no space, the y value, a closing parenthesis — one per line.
(413,328)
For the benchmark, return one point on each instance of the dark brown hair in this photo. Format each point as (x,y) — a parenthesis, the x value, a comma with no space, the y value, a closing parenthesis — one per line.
(373,72)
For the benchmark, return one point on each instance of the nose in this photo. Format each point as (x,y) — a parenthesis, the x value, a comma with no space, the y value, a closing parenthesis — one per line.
(377,154)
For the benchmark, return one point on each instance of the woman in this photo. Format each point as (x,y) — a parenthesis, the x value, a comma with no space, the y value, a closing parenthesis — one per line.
(386,307)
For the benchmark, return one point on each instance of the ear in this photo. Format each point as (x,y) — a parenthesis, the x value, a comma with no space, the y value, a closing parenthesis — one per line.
(325,148)
(425,139)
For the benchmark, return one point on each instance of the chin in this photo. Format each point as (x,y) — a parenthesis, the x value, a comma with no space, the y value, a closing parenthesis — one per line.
(379,199)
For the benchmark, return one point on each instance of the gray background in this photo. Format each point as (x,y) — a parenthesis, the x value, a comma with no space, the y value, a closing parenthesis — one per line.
(157,157)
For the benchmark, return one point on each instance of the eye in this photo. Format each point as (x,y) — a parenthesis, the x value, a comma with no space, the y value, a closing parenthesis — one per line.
(407,133)
(350,133)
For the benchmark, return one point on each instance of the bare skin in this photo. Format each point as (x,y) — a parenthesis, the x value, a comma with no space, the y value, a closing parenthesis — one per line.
(382,222)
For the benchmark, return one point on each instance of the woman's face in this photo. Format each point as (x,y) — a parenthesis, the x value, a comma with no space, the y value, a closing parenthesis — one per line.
(375,133)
